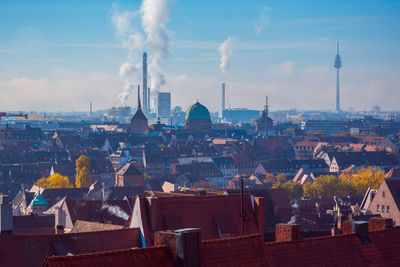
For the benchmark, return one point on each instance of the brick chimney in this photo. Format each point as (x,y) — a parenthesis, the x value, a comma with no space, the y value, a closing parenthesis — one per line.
(347,227)
(184,245)
(259,209)
(6,218)
(378,223)
(59,220)
(287,232)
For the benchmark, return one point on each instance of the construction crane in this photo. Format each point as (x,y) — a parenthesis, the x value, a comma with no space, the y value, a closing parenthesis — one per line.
(3,114)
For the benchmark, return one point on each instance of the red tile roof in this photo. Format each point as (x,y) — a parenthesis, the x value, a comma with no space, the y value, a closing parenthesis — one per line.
(31,250)
(238,251)
(197,212)
(155,256)
(346,250)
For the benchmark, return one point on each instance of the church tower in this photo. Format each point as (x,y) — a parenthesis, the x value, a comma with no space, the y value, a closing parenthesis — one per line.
(139,123)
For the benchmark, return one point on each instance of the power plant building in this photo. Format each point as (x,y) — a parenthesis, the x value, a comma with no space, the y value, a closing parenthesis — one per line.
(164,105)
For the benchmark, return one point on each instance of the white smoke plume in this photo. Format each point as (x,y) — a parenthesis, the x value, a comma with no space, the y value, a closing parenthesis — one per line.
(263,20)
(225,50)
(155,17)
(116,211)
(132,40)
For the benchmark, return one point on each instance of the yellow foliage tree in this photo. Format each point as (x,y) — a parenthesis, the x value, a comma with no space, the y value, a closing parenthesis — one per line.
(364,178)
(328,186)
(54,181)
(83,176)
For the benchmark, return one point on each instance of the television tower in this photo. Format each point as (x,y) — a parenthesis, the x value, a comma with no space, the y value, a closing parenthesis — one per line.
(338,65)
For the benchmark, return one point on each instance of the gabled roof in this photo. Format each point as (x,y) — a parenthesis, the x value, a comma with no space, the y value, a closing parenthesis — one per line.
(198,212)
(110,211)
(394,187)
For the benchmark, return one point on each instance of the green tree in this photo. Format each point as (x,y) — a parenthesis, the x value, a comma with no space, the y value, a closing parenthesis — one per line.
(293,190)
(83,176)
(146,176)
(328,186)
(280,179)
(54,181)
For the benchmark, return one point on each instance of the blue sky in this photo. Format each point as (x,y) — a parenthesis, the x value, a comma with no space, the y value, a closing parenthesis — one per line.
(59,55)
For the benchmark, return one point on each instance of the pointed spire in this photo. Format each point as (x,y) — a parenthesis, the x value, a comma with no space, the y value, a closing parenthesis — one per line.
(138,96)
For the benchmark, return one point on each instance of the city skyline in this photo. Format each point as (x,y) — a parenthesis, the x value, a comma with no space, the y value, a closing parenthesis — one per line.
(61,57)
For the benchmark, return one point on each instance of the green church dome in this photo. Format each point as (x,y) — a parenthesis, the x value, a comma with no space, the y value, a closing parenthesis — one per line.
(197,112)
(39,200)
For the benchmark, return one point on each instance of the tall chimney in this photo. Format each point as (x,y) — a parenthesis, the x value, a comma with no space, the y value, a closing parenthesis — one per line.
(148,100)
(91,109)
(6,218)
(145,92)
(223,99)
(184,245)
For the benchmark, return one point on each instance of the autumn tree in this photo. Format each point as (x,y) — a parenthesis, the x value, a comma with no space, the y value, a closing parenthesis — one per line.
(328,186)
(269,177)
(279,180)
(54,181)
(364,178)
(293,190)
(83,176)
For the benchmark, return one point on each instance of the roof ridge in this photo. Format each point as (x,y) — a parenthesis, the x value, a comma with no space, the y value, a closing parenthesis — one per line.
(102,253)
(236,238)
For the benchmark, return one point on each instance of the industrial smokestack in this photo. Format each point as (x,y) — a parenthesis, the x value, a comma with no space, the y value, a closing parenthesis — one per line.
(148,100)
(91,110)
(223,99)
(145,96)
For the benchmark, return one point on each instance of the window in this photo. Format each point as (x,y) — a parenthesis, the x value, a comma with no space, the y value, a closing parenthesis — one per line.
(383,208)
(383,193)
(387,209)
(378,208)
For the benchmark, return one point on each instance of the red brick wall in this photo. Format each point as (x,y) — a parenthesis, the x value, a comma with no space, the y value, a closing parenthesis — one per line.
(377,224)
(287,232)
(347,227)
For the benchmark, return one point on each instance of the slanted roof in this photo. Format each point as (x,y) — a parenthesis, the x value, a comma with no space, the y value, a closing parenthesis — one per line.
(111,211)
(394,187)
(345,250)
(155,256)
(39,200)
(31,250)
(238,251)
(85,226)
(129,169)
(198,212)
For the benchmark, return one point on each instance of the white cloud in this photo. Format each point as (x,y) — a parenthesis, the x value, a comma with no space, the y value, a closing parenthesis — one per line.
(287,84)
(61,91)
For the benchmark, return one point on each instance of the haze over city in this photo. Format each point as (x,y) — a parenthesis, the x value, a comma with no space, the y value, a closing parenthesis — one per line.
(59,56)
